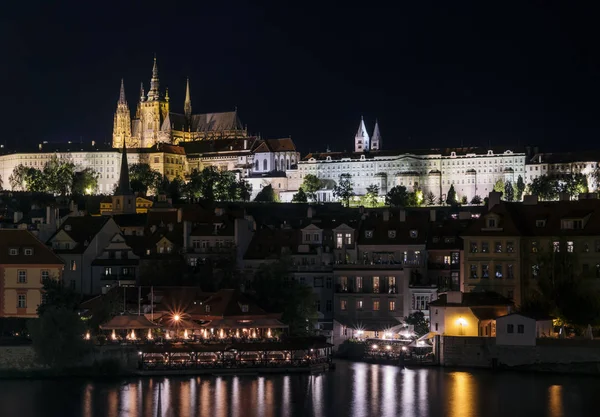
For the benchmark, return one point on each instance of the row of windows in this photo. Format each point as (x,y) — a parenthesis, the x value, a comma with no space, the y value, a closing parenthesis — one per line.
(499,271)
(22,275)
(16,251)
(328,305)
(378,284)
(375,305)
(498,246)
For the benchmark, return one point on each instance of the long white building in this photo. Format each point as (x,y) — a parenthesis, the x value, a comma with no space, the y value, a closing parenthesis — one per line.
(472,171)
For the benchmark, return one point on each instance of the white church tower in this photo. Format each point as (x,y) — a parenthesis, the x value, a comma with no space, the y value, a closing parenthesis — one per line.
(376,138)
(361,140)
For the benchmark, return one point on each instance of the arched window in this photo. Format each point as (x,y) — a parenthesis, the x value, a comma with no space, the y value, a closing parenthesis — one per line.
(288,164)
(264,164)
(256,165)
(276,164)
(282,165)
(149,125)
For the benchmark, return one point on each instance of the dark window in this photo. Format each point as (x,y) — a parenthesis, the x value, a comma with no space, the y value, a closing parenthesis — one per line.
(510,328)
(521,328)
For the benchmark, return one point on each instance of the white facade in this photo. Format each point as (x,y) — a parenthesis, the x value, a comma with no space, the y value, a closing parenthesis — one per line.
(470,173)
(264,162)
(541,165)
(516,330)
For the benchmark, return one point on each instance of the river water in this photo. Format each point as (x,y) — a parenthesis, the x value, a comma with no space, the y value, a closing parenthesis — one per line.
(353,389)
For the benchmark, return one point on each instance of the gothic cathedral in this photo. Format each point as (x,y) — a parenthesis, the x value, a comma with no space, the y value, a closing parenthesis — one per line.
(154,122)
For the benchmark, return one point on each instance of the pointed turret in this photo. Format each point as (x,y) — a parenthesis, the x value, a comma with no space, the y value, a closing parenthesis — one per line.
(124,187)
(123,201)
(142,92)
(187,106)
(154,93)
(361,140)
(376,138)
(122,99)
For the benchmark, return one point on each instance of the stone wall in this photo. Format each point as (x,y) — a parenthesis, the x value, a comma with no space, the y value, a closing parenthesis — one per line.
(549,354)
(18,358)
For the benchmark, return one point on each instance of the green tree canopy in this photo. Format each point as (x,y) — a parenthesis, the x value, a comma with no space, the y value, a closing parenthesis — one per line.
(519,188)
(430,198)
(300,197)
(311,185)
(509,192)
(277,292)
(58,176)
(144,179)
(85,182)
(266,195)
(499,186)
(372,194)
(419,323)
(27,179)
(476,200)
(451,196)
(344,190)
(57,295)
(397,196)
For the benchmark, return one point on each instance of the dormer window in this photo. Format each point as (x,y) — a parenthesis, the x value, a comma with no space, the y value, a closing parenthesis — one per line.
(368,234)
(13,251)
(207,308)
(540,223)
(28,251)
(414,233)
(244,308)
(491,222)
(392,234)
(571,224)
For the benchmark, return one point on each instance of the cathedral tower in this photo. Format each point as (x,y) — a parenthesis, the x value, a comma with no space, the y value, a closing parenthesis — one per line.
(123,201)
(122,122)
(361,140)
(153,110)
(376,138)
(187,106)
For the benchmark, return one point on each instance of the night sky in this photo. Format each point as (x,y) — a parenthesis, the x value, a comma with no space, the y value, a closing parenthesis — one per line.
(433,73)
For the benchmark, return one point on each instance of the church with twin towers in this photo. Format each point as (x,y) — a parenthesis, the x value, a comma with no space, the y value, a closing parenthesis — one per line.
(154,122)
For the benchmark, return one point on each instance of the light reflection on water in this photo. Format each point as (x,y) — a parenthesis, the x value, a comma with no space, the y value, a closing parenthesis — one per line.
(354,389)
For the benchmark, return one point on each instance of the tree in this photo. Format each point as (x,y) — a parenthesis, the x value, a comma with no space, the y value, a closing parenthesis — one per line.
(300,197)
(476,200)
(430,198)
(544,187)
(57,334)
(278,293)
(372,194)
(414,199)
(520,188)
(573,184)
(344,189)
(499,186)
(85,182)
(419,323)
(397,196)
(27,179)
(451,197)
(57,337)
(225,187)
(311,185)
(175,189)
(463,200)
(58,176)
(244,189)
(509,192)
(1,183)
(144,179)
(266,195)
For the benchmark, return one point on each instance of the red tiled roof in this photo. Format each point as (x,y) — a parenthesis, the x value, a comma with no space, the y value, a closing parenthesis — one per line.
(20,240)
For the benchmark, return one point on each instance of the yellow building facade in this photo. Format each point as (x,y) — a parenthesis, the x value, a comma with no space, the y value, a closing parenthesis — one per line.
(24,263)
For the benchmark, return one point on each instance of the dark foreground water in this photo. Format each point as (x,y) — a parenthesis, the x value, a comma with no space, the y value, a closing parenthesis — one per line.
(354,389)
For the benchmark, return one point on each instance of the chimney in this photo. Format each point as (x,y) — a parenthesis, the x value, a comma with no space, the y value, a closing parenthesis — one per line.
(179,215)
(432,215)
(18,216)
(187,229)
(402,215)
(454,297)
(386,215)
(564,197)
(494,199)
(309,213)
(530,200)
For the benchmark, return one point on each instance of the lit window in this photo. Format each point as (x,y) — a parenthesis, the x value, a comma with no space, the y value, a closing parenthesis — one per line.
(376,285)
(22,276)
(339,241)
(343,305)
(556,246)
(392,306)
(498,272)
(21,301)
(359,284)
(375,305)
(348,238)
(359,304)
(569,246)
(28,251)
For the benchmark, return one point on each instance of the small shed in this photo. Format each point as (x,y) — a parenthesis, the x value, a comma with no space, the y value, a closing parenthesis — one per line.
(516,329)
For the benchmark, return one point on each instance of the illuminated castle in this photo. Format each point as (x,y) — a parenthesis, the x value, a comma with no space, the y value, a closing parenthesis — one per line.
(155,123)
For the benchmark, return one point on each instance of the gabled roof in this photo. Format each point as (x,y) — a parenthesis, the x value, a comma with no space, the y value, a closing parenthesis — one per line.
(82,230)
(22,239)
(210,146)
(228,303)
(268,243)
(403,231)
(474,299)
(128,323)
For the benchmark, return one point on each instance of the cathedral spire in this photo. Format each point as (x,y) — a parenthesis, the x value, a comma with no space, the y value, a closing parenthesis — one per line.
(122,99)
(187,107)
(142,93)
(124,187)
(376,138)
(154,93)
(361,140)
